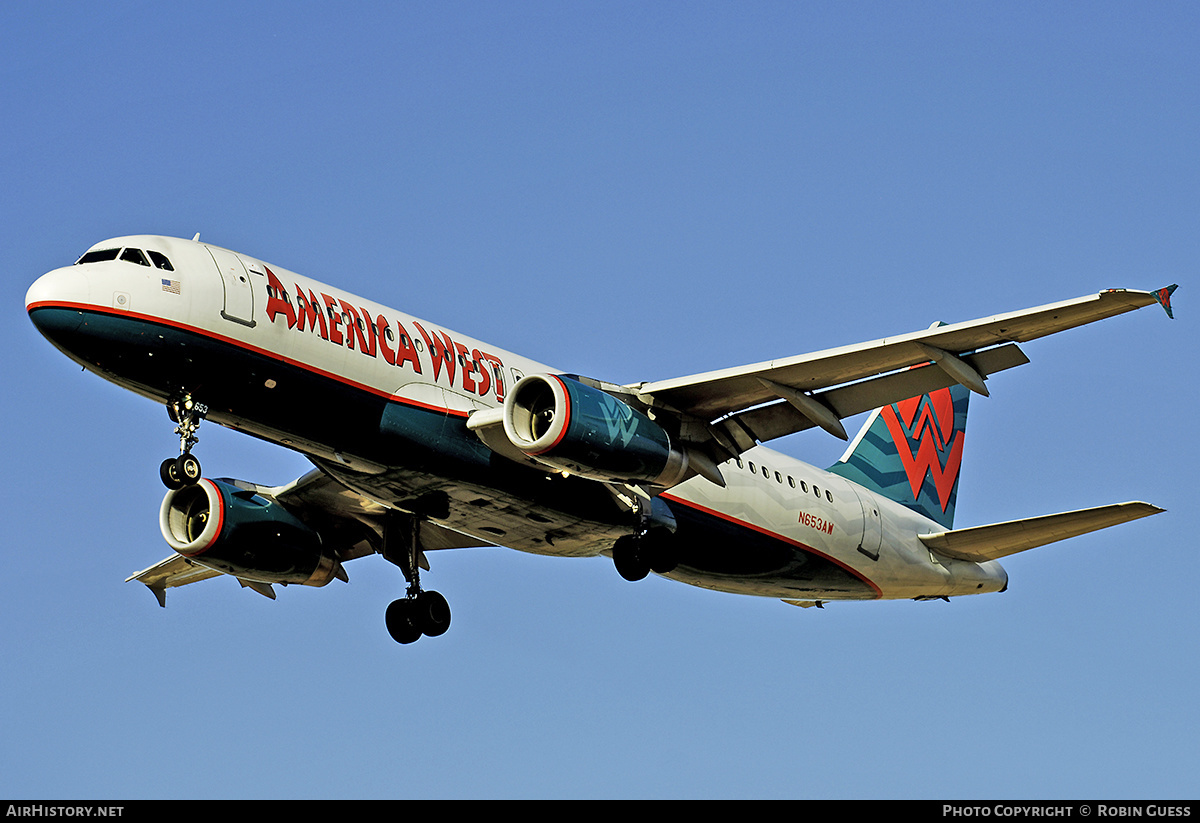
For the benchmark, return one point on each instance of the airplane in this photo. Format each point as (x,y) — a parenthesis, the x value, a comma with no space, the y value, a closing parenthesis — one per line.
(425,439)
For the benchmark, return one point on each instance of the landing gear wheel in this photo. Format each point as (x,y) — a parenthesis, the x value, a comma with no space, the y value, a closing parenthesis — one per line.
(658,547)
(419,612)
(169,474)
(427,614)
(628,559)
(433,614)
(187,468)
(401,621)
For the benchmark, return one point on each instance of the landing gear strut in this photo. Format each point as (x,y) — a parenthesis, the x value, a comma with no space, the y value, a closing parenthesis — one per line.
(418,612)
(184,470)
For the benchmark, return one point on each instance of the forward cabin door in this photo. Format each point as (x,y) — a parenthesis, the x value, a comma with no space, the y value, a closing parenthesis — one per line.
(239,297)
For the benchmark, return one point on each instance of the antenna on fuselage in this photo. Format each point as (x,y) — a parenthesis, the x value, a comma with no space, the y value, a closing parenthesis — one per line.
(197,237)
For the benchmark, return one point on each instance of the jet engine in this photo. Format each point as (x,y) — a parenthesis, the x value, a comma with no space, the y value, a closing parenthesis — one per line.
(573,427)
(238,532)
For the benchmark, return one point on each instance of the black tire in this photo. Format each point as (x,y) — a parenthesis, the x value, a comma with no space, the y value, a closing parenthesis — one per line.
(187,469)
(433,614)
(628,559)
(168,473)
(659,548)
(401,622)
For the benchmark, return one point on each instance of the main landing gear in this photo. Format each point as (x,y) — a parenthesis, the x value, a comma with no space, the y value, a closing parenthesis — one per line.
(636,555)
(418,612)
(184,470)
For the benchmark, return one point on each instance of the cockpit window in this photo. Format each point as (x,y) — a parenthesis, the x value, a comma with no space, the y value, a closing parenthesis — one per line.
(160,260)
(134,256)
(98,256)
(129,256)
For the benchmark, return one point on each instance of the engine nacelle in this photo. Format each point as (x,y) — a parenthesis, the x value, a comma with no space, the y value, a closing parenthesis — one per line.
(576,428)
(238,532)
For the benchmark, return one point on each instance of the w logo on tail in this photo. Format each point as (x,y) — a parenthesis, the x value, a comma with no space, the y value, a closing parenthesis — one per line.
(911,452)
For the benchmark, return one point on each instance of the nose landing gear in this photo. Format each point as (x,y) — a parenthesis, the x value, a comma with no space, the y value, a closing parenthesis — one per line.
(184,470)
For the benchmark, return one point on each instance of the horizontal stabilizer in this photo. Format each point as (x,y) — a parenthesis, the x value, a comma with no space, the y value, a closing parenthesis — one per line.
(998,540)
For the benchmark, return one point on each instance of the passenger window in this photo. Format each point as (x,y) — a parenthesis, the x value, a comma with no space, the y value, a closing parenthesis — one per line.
(135,256)
(98,256)
(803,487)
(160,260)
(752,469)
(791,481)
(816,491)
(828,495)
(778,477)
(766,473)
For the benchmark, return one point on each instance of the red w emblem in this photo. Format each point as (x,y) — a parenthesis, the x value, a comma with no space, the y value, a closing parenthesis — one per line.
(923,430)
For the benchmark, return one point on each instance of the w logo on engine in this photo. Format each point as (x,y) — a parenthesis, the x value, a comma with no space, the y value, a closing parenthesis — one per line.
(619,419)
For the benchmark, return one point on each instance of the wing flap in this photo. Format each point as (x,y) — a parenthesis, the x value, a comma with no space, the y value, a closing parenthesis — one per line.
(316,496)
(768,422)
(997,540)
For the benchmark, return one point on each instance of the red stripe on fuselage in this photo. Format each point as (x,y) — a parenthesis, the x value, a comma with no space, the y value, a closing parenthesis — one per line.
(241,344)
(728,518)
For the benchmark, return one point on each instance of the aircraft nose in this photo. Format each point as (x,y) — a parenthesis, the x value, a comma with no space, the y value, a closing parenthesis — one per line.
(61,286)
(53,299)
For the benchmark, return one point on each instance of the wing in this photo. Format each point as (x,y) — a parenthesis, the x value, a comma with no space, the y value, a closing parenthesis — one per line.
(174,571)
(735,408)
(350,526)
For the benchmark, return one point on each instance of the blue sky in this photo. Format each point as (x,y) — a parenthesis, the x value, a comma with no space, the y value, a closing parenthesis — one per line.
(632,191)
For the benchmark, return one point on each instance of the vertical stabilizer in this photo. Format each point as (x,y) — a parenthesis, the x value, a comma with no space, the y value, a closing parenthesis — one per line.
(911,452)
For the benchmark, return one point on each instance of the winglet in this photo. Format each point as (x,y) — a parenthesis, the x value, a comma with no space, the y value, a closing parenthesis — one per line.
(1163,296)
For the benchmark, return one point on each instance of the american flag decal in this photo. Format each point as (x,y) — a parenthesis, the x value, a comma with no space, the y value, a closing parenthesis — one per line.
(170,285)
